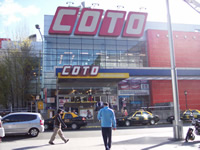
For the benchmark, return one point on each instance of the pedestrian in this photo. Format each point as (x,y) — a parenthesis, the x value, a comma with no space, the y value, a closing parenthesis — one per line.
(2,132)
(107,117)
(125,112)
(74,111)
(57,127)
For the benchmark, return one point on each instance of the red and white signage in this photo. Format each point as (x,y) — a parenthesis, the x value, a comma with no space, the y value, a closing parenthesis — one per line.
(80,70)
(89,22)
(112,23)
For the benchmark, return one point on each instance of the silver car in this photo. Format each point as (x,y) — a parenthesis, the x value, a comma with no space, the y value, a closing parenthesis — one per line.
(23,123)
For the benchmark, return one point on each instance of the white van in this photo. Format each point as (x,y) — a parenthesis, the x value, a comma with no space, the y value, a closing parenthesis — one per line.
(23,123)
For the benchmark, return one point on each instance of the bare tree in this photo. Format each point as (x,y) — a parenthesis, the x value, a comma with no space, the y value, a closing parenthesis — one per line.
(18,64)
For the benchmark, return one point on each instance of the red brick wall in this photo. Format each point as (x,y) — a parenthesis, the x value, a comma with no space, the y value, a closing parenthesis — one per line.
(187,54)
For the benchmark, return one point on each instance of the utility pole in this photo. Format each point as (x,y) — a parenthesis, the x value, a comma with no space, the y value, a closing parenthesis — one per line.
(177,124)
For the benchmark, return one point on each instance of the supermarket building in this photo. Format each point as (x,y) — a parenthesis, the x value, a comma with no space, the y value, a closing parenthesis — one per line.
(91,56)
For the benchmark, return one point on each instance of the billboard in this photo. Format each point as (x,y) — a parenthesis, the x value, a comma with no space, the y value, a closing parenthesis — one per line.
(92,22)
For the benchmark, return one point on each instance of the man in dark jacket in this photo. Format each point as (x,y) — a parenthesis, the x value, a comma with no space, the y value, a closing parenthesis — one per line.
(57,127)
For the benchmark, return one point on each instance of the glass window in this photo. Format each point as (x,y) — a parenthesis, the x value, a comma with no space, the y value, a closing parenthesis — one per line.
(86,54)
(68,116)
(63,46)
(87,41)
(59,60)
(48,68)
(9,119)
(145,113)
(50,40)
(120,47)
(110,42)
(62,51)
(50,51)
(99,52)
(99,47)
(85,62)
(87,46)
(51,45)
(74,40)
(74,62)
(20,118)
(50,81)
(121,42)
(122,64)
(75,46)
(62,40)
(111,64)
(98,41)
(138,114)
(74,54)
(27,117)
(132,42)
(102,64)
(111,47)
(111,53)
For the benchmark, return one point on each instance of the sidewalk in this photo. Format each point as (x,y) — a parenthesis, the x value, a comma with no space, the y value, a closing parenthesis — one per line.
(129,139)
(95,143)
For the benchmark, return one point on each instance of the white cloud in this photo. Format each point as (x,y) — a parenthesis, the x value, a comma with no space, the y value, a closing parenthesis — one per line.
(11,19)
(12,12)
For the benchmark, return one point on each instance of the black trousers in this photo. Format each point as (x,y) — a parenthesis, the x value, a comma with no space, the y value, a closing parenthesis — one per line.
(107,136)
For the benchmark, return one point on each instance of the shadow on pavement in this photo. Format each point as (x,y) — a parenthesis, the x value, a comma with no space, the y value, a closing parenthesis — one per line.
(11,138)
(37,146)
(190,143)
(155,142)
(142,140)
(167,142)
(31,147)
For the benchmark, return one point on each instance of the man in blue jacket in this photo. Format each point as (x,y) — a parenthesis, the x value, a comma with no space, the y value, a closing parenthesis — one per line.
(107,118)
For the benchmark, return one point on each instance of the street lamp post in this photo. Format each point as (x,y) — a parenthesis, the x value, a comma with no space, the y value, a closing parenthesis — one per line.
(38,27)
(178,127)
(185,92)
(41,89)
(36,89)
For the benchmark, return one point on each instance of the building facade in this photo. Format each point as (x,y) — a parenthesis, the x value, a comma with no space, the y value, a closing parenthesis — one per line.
(91,56)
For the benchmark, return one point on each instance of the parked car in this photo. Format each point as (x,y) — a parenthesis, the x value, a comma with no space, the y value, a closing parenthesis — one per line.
(187,115)
(2,131)
(138,117)
(72,121)
(23,123)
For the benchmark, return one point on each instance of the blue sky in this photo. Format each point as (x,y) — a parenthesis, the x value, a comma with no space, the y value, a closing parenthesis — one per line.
(18,17)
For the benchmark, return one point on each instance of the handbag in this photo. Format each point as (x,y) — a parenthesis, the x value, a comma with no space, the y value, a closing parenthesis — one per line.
(2,132)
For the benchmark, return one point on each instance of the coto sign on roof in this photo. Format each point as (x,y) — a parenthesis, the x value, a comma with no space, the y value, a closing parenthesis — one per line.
(90,22)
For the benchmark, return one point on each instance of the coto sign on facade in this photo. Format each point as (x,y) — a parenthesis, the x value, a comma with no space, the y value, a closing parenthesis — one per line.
(90,22)
(69,70)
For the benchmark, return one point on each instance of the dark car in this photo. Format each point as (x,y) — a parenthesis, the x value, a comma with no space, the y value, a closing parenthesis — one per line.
(187,115)
(138,117)
(72,121)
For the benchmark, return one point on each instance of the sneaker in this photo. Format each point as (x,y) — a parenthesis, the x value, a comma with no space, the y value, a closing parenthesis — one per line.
(51,143)
(66,140)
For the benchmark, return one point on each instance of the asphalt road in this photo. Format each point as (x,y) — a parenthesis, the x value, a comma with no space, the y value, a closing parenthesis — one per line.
(159,137)
(91,131)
